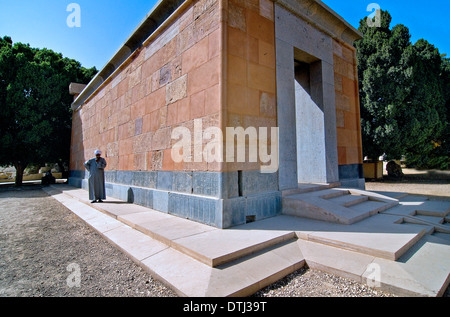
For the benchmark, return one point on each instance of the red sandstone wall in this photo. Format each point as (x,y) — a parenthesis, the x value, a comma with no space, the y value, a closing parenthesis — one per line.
(250,72)
(168,83)
(347,105)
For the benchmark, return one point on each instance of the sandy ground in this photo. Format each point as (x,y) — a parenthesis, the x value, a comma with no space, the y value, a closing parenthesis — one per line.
(45,250)
(433,183)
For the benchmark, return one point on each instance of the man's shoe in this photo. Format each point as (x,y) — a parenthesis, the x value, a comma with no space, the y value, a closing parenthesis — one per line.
(93,201)
(100,201)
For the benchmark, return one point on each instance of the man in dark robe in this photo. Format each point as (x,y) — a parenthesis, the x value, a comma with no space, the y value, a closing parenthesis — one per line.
(96,167)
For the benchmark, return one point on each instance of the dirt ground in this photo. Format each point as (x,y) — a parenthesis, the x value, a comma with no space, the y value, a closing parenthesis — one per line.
(45,250)
(433,183)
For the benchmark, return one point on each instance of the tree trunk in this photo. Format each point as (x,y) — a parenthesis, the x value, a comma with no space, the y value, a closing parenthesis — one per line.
(20,168)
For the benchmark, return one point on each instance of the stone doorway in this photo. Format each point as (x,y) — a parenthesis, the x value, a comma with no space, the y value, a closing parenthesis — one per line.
(305,103)
(309,115)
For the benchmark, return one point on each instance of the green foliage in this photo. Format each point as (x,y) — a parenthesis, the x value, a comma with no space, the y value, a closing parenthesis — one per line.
(404,92)
(35,115)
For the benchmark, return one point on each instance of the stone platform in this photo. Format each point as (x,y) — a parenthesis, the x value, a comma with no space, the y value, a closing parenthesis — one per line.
(403,249)
(331,204)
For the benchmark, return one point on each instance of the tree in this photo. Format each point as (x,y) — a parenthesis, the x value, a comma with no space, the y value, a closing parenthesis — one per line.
(426,117)
(35,116)
(440,156)
(402,92)
(383,85)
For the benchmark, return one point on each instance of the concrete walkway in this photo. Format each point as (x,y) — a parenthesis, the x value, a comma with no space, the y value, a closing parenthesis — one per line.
(404,250)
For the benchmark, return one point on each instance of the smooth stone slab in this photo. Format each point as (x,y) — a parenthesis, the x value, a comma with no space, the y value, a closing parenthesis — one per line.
(103,223)
(168,230)
(386,245)
(422,271)
(413,205)
(81,210)
(395,195)
(78,208)
(349,200)
(373,207)
(143,216)
(184,274)
(333,260)
(430,219)
(243,278)
(117,209)
(378,236)
(134,243)
(246,276)
(216,247)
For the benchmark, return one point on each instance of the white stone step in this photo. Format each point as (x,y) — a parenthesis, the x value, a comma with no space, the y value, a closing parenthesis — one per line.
(431,219)
(338,205)
(235,244)
(332,193)
(433,223)
(194,239)
(363,237)
(407,266)
(240,278)
(370,206)
(321,209)
(349,200)
(309,188)
(265,256)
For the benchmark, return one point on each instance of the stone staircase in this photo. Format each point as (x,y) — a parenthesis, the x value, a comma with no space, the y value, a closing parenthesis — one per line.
(431,215)
(330,203)
(199,260)
(409,217)
(193,258)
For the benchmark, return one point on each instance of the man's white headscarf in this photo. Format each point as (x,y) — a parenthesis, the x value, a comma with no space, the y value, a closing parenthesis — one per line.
(97,152)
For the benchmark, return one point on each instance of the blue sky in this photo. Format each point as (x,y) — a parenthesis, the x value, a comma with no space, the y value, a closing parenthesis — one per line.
(425,19)
(105,25)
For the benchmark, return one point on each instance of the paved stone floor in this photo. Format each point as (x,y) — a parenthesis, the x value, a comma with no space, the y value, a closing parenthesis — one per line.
(34,273)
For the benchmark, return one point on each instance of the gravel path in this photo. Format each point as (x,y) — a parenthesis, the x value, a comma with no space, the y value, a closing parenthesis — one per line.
(312,283)
(43,246)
